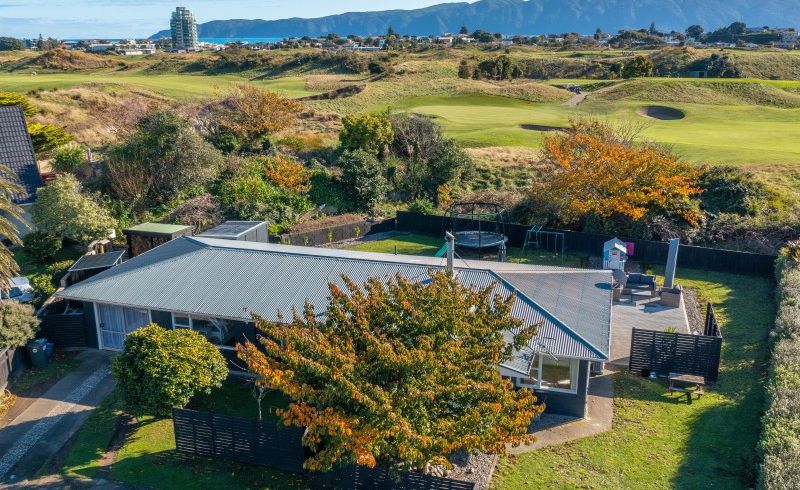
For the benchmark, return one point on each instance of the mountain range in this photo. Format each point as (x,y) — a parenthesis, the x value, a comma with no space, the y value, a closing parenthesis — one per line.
(529,17)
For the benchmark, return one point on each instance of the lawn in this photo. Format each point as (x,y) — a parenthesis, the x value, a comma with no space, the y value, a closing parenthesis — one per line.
(737,134)
(660,441)
(148,456)
(183,87)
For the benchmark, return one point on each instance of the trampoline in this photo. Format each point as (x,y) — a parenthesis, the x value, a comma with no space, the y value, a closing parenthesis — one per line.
(477,225)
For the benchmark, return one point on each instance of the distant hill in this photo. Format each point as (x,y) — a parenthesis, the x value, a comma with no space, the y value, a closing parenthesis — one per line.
(522,17)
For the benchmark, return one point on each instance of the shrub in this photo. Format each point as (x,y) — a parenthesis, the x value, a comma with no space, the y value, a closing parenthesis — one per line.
(11,44)
(12,98)
(729,189)
(41,245)
(371,133)
(63,210)
(780,439)
(43,287)
(422,206)
(638,67)
(45,137)
(201,213)
(18,324)
(69,158)
(160,369)
(363,179)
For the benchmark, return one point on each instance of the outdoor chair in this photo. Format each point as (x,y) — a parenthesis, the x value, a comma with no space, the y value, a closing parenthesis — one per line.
(640,284)
(532,238)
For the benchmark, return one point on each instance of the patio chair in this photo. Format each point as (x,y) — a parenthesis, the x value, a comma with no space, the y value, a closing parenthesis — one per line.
(532,238)
(640,284)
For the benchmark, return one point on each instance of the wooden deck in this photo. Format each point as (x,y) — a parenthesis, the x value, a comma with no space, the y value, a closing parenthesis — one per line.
(644,313)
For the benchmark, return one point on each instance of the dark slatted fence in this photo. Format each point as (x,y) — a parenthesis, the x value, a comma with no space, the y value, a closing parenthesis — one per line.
(263,443)
(12,364)
(711,327)
(666,353)
(237,439)
(332,234)
(591,244)
(360,477)
(63,329)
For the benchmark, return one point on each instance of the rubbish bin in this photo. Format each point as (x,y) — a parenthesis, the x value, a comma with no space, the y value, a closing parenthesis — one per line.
(38,354)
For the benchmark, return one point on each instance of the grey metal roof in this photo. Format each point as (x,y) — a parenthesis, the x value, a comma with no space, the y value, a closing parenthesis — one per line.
(16,152)
(97,261)
(231,279)
(232,229)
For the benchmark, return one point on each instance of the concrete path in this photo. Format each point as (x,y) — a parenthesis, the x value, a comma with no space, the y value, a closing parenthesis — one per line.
(575,100)
(551,430)
(38,433)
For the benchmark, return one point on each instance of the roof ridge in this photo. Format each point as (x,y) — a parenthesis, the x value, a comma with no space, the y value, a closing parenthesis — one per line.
(550,316)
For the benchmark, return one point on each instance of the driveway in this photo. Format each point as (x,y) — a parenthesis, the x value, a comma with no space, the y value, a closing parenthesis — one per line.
(42,429)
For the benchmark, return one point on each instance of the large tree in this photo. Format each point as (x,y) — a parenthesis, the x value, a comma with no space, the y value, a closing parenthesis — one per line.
(62,209)
(397,373)
(246,116)
(371,133)
(597,169)
(162,159)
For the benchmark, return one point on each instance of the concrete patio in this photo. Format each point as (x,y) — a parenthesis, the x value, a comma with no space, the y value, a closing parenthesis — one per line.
(644,313)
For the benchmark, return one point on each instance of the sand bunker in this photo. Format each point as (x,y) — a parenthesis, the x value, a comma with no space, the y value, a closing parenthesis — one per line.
(660,112)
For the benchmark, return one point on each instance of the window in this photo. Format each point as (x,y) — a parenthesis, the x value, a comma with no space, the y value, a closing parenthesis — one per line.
(549,374)
(222,333)
(558,374)
(180,321)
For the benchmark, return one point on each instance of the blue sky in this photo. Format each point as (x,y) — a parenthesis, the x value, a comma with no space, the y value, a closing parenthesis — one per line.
(140,18)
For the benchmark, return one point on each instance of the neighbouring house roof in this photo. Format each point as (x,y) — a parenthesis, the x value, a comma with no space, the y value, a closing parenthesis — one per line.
(232,229)
(16,152)
(156,228)
(97,261)
(232,279)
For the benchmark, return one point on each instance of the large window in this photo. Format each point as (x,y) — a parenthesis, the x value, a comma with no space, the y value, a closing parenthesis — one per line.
(551,374)
(222,333)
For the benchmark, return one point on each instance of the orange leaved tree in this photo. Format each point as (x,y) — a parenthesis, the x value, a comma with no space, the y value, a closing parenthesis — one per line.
(397,373)
(597,169)
(288,174)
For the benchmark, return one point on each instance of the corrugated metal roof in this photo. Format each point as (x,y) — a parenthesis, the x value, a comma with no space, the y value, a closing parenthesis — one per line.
(232,279)
(158,228)
(232,229)
(16,152)
(97,261)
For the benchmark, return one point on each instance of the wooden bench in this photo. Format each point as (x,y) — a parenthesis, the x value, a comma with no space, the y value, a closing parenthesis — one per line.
(686,383)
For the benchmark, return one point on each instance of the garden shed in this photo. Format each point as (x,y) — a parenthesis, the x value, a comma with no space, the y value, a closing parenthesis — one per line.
(245,231)
(146,236)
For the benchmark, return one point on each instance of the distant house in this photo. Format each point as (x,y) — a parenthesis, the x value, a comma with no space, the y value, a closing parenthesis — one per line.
(16,152)
(213,286)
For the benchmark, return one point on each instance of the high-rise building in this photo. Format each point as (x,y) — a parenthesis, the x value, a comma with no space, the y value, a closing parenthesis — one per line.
(184,30)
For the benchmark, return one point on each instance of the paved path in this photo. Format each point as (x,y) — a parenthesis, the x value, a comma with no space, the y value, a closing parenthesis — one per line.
(575,100)
(551,430)
(39,432)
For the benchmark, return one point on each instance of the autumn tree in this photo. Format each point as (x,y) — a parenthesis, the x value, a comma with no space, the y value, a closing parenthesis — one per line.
(288,174)
(247,115)
(597,169)
(399,372)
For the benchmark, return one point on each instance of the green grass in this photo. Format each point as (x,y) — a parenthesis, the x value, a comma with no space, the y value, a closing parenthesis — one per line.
(736,134)
(410,244)
(660,441)
(182,87)
(148,458)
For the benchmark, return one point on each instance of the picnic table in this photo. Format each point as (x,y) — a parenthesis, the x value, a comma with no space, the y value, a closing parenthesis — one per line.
(686,383)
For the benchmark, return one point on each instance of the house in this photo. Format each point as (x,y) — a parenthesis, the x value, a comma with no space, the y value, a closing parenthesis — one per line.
(16,152)
(214,286)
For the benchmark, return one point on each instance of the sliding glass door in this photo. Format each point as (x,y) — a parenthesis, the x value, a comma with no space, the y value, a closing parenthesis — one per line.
(116,322)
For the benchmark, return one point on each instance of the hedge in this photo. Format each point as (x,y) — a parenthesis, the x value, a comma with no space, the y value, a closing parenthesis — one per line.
(780,440)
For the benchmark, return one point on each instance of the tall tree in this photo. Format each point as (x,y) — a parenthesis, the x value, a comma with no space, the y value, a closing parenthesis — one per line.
(397,373)
(10,214)
(597,169)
